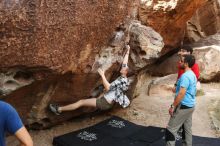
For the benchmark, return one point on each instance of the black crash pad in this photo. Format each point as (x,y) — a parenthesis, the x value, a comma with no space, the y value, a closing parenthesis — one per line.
(116,131)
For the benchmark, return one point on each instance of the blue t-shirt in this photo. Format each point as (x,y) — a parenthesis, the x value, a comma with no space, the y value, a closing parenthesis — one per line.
(188,81)
(9,121)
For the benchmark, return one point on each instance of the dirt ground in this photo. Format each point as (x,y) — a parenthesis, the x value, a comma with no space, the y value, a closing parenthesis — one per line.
(144,110)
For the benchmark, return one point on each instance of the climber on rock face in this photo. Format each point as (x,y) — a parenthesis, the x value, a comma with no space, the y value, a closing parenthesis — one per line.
(114,92)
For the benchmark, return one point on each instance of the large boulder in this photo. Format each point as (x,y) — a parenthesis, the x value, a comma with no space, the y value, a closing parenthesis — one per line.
(146,44)
(55,45)
(63,35)
(168,17)
(50,53)
(207,52)
(205,22)
(154,86)
(162,86)
(208,58)
(50,50)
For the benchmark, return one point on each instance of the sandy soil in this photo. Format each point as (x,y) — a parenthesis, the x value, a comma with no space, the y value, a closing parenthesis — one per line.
(144,110)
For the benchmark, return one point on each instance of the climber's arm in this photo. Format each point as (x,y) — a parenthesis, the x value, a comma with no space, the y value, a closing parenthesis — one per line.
(125,60)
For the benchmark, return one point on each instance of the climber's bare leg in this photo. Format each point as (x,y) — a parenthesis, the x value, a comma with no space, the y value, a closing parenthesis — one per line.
(91,102)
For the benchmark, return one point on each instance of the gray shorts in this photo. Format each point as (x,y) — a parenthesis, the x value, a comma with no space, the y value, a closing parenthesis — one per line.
(102,104)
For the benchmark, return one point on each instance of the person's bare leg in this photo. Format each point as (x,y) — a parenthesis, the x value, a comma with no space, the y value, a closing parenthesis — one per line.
(91,102)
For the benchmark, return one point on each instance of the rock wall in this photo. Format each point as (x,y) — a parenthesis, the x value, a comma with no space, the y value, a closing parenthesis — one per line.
(168,18)
(59,45)
(62,35)
(205,22)
(50,50)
